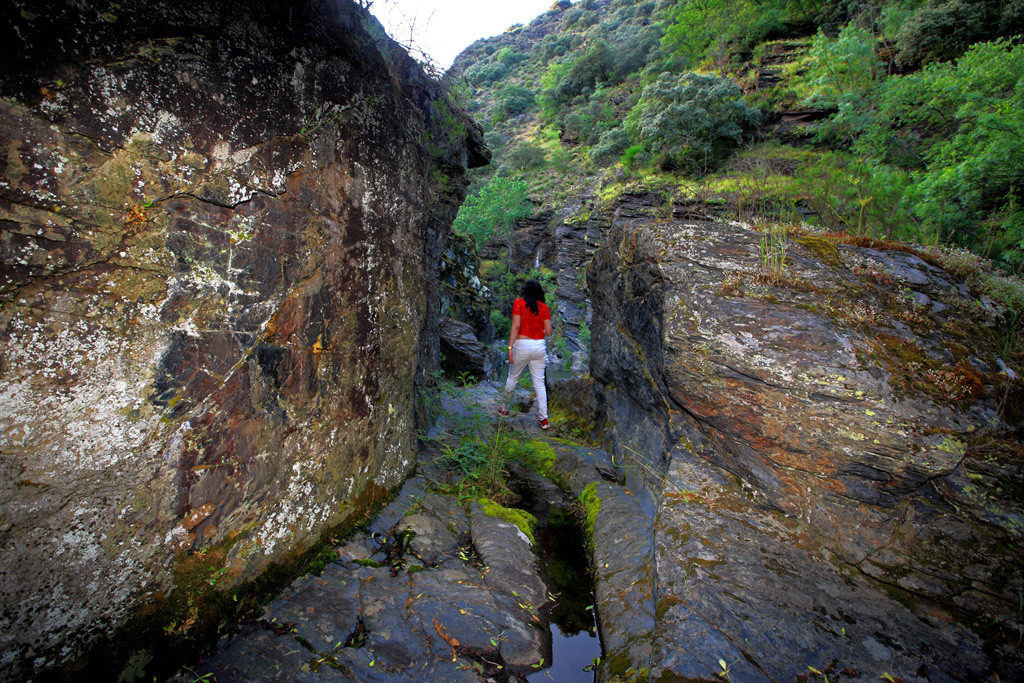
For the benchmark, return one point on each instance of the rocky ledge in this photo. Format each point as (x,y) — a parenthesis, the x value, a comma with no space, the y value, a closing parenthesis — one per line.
(824,458)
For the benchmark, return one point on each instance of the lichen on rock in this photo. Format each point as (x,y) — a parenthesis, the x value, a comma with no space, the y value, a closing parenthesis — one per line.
(831,417)
(219,237)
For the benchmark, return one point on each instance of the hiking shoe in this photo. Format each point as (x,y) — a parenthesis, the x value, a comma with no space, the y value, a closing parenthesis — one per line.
(503,411)
(543,423)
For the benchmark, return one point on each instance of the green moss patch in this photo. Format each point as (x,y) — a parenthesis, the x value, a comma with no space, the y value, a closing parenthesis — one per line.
(526,522)
(591,502)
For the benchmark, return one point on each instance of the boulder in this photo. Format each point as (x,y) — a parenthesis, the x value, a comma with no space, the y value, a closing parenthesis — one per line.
(462,352)
(220,248)
(829,453)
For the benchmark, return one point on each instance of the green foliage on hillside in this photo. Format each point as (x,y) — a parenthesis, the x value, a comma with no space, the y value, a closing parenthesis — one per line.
(691,122)
(923,137)
(493,210)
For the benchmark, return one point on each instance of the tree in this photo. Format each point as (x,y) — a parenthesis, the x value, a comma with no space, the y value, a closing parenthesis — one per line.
(498,205)
(691,122)
(961,125)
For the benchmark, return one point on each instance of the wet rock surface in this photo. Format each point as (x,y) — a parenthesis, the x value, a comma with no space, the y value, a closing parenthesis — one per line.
(445,594)
(830,477)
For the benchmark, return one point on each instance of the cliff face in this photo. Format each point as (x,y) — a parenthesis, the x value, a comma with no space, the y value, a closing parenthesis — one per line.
(220,228)
(826,455)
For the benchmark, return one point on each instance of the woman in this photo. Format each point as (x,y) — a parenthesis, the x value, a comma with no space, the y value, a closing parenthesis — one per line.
(531,324)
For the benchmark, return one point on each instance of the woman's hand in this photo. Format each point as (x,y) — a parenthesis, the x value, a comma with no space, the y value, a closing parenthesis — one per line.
(510,354)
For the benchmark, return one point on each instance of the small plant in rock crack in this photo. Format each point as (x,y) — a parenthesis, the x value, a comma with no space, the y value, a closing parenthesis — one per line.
(773,250)
(359,635)
(481,461)
(196,678)
(468,553)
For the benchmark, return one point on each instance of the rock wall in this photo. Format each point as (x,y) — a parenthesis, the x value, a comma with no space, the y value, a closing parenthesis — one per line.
(220,228)
(825,456)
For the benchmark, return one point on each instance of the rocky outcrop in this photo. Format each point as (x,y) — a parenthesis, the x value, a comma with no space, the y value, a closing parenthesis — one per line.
(429,593)
(463,354)
(825,452)
(463,296)
(220,250)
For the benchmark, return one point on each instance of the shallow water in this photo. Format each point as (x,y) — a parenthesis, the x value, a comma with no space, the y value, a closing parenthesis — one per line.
(569,656)
(574,640)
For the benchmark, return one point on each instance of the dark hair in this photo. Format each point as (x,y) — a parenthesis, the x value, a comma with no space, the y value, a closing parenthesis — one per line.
(532,293)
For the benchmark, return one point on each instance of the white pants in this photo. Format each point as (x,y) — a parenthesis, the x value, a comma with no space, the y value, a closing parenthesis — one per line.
(530,352)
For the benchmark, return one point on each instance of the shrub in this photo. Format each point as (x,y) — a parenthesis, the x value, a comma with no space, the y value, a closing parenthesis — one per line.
(494,140)
(499,204)
(842,69)
(524,156)
(610,146)
(509,57)
(515,99)
(941,31)
(486,73)
(633,155)
(697,119)
(962,125)
(630,50)
(502,324)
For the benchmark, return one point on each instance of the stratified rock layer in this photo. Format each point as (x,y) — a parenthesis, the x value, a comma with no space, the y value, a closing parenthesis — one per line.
(822,456)
(220,252)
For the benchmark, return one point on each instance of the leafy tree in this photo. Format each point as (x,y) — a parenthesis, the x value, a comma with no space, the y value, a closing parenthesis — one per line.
(691,122)
(944,29)
(630,50)
(498,205)
(610,145)
(961,125)
(484,73)
(695,28)
(842,69)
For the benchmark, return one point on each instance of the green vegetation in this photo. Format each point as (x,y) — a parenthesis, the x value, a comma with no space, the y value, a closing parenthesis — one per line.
(591,502)
(493,210)
(526,522)
(689,122)
(921,138)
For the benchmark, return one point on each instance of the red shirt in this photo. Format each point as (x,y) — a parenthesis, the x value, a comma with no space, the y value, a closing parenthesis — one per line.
(530,325)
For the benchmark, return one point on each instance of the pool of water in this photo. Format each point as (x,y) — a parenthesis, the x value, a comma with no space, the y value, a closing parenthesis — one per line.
(572,657)
(575,647)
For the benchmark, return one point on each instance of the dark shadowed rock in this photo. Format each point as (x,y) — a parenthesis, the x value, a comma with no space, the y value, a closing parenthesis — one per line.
(462,353)
(459,600)
(220,248)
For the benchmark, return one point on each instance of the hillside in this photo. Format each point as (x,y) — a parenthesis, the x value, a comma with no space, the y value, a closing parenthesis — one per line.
(897,119)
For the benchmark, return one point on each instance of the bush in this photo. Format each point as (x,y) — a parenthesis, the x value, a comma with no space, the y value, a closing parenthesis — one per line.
(631,50)
(499,204)
(514,100)
(633,156)
(525,155)
(962,126)
(844,68)
(494,140)
(502,324)
(697,119)
(486,73)
(941,31)
(610,146)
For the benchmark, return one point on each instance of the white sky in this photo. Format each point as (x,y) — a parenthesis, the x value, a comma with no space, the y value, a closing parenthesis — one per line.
(444,28)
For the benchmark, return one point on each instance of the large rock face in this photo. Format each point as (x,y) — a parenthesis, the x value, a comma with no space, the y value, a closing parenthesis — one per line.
(219,247)
(823,459)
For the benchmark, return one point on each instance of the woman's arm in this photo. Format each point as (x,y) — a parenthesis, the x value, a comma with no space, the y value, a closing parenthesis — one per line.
(516,321)
(547,328)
